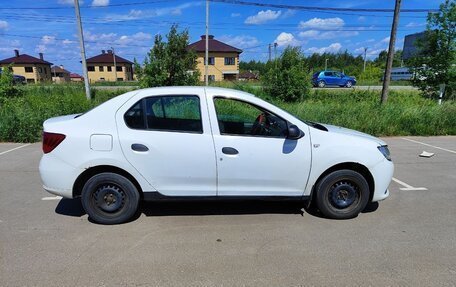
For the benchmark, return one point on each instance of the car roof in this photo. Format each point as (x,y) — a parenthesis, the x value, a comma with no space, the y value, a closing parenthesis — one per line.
(195,89)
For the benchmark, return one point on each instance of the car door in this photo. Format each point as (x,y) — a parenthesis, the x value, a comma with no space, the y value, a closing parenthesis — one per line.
(338,79)
(329,78)
(167,138)
(254,157)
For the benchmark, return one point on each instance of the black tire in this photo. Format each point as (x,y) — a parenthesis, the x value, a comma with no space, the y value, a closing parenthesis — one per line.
(109,198)
(321,84)
(349,84)
(342,194)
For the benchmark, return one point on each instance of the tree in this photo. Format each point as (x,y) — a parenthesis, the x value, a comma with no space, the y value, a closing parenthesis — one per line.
(7,88)
(435,61)
(169,63)
(287,77)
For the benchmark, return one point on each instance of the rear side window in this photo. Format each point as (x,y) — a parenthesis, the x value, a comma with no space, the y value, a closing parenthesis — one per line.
(134,117)
(166,113)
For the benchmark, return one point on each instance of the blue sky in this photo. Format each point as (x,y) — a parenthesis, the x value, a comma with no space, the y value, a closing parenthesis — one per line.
(130,26)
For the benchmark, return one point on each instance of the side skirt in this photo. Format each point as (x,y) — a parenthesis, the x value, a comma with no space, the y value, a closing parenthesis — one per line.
(156,196)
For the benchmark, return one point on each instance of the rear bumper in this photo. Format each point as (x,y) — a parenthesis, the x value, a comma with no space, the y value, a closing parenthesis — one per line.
(58,176)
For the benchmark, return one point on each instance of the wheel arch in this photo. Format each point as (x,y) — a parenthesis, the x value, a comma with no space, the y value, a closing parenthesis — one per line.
(363,170)
(88,173)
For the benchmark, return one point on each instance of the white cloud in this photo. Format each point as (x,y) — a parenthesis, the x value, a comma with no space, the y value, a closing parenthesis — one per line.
(320,23)
(318,35)
(287,39)
(385,40)
(100,3)
(46,40)
(234,15)
(3,25)
(241,41)
(415,24)
(67,42)
(69,2)
(263,17)
(135,14)
(309,34)
(333,48)
(361,18)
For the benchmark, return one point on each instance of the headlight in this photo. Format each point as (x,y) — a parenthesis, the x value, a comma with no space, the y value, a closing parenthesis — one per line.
(385,151)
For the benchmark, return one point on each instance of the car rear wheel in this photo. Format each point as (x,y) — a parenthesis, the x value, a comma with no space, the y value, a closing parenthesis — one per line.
(349,84)
(342,194)
(321,84)
(109,198)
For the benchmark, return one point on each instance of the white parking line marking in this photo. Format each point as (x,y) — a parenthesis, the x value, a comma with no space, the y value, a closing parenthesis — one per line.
(52,198)
(2,153)
(441,148)
(407,186)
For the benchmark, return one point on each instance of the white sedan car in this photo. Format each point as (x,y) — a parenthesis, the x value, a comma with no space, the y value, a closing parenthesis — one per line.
(207,143)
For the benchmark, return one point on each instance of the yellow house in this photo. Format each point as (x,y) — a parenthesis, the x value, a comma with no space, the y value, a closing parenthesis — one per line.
(101,68)
(60,75)
(223,59)
(33,69)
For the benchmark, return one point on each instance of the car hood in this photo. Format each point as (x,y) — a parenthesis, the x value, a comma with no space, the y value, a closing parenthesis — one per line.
(345,131)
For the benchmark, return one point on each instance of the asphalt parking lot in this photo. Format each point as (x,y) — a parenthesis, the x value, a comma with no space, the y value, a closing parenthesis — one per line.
(407,240)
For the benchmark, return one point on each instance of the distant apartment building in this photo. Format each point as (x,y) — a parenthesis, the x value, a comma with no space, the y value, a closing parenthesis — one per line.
(223,59)
(34,70)
(102,68)
(60,75)
(410,48)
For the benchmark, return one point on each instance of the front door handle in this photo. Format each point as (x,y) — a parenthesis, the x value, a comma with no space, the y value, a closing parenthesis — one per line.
(139,147)
(229,150)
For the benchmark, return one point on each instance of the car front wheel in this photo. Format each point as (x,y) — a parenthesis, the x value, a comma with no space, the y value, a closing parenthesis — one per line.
(321,84)
(109,198)
(349,84)
(342,194)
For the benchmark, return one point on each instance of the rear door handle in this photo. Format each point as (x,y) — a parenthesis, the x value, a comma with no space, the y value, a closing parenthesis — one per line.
(139,147)
(229,151)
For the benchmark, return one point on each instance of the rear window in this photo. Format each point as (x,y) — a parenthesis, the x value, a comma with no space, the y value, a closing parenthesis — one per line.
(166,113)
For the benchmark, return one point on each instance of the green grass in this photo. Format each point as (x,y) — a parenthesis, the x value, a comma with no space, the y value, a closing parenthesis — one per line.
(406,113)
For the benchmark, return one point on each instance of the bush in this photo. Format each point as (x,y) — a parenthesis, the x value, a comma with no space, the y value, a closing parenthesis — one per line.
(287,78)
(7,88)
(21,118)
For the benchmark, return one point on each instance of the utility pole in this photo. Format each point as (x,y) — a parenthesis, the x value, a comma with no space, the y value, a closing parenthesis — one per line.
(115,65)
(81,43)
(275,51)
(206,58)
(365,53)
(389,61)
(326,64)
(269,50)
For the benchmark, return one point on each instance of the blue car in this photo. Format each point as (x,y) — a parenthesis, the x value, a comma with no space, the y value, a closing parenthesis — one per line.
(332,78)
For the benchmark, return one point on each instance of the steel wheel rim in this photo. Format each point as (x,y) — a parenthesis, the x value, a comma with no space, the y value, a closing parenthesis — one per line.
(108,198)
(343,195)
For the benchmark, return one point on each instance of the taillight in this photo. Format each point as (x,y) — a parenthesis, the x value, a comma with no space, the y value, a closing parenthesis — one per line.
(51,141)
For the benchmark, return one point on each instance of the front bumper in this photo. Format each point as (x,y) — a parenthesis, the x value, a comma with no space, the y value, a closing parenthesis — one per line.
(382,174)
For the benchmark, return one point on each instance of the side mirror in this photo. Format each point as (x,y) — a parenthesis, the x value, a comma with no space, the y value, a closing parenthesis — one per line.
(294,132)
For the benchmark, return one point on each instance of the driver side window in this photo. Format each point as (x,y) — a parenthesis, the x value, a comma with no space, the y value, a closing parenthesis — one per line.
(240,118)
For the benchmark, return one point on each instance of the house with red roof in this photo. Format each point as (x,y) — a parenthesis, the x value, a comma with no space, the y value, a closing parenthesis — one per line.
(108,66)
(60,75)
(34,70)
(223,59)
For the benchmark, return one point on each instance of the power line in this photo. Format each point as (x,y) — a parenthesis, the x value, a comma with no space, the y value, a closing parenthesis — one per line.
(86,7)
(315,8)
